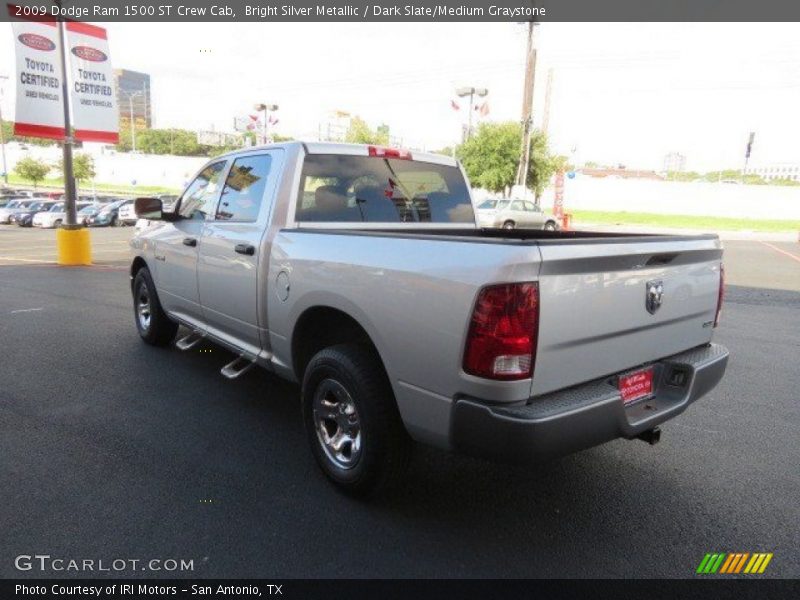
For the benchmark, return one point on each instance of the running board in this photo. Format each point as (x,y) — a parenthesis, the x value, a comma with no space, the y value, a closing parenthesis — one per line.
(237,367)
(189,341)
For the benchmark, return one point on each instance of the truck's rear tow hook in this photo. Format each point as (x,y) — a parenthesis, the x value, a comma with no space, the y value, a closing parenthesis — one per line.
(651,436)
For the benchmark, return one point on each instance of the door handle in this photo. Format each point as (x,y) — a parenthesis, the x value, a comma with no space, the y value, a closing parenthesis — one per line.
(245,249)
(190,242)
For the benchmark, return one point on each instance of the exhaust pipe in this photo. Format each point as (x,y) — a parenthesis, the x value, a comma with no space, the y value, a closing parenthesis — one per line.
(651,436)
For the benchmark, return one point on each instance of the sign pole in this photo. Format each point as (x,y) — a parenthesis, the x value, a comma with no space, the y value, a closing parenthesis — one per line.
(69,179)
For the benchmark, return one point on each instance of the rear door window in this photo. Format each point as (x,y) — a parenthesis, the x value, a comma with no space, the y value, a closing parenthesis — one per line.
(244,189)
(351,189)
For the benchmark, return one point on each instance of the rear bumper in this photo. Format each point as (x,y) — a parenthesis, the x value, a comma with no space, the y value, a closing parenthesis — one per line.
(580,417)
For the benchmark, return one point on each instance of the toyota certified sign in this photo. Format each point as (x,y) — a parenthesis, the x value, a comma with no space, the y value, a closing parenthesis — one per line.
(37,42)
(89,53)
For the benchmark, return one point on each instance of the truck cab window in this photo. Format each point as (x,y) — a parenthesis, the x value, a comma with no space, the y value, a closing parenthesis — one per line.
(244,189)
(199,198)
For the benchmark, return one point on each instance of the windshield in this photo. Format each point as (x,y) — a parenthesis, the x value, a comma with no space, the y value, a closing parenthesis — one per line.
(88,210)
(346,188)
(57,207)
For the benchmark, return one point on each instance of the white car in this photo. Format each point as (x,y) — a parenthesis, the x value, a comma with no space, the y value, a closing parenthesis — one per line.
(13,207)
(512,213)
(127,214)
(54,217)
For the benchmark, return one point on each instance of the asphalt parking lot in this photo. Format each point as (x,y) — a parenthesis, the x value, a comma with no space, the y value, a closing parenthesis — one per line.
(112,449)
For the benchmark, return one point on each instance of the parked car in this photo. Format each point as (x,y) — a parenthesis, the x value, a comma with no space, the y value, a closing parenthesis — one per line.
(54,217)
(6,198)
(25,218)
(14,206)
(361,273)
(514,214)
(108,215)
(88,211)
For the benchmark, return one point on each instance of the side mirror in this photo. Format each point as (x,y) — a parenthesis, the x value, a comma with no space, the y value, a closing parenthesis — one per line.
(149,208)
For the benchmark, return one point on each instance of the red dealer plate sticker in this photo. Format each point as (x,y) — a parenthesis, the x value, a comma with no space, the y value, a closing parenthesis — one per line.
(636,385)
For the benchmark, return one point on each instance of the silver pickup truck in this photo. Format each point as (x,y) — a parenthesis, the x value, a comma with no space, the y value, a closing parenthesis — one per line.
(360,272)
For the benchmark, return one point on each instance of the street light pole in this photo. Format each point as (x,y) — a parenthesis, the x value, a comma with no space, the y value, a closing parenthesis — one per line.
(471,92)
(2,135)
(70,191)
(266,108)
(131,96)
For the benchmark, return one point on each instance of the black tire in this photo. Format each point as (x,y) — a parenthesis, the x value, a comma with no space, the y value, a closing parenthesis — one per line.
(57,224)
(158,329)
(550,226)
(385,446)
(508,225)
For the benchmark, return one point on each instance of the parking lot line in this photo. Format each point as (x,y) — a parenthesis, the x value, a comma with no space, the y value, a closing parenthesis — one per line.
(782,251)
(28,260)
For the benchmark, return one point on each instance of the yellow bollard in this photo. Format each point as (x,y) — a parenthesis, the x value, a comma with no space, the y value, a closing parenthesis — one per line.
(74,246)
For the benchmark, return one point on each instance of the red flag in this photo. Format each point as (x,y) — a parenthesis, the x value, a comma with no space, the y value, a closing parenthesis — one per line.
(454,105)
(483,109)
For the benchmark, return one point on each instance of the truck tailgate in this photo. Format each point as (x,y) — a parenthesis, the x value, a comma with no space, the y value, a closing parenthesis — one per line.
(594,319)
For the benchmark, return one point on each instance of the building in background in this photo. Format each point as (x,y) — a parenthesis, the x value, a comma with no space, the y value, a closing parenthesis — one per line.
(674,162)
(335,126)
(790,171)
(133,95)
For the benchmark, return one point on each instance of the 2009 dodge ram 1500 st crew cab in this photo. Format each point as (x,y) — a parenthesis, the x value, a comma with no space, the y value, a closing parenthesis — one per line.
(359,272)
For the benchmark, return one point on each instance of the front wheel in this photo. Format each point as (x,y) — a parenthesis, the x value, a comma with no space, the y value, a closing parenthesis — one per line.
(352,422)
(152,323)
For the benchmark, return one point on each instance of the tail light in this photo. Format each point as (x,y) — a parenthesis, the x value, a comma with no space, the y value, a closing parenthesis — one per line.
(382,152)
(501,342)
(720,294)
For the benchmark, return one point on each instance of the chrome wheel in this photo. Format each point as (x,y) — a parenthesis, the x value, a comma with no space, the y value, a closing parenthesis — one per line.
(143,309)
(337,424)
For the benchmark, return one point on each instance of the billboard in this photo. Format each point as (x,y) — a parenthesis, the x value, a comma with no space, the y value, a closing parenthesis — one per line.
(40,107)
(94,103)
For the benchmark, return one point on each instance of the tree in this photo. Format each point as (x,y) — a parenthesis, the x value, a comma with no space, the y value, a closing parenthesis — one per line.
(542,165)
(360,132)
(490,157)
(83,167)
(31,169)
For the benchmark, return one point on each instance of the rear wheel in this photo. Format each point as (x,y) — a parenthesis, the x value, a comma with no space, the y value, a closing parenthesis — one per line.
(508,225)
(152,323)
(351,420)
(550,226)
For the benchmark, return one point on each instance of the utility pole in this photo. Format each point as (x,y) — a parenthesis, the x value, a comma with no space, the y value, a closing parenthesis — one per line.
(471,92)
(70,193)
(2,134)
(547,94)
(527,106)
